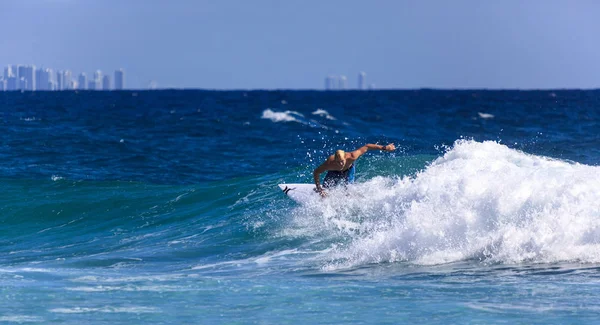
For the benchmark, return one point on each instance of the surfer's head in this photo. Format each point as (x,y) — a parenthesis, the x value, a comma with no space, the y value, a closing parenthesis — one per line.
(340,158)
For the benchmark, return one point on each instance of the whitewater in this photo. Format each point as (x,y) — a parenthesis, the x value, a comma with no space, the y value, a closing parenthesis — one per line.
(481,202)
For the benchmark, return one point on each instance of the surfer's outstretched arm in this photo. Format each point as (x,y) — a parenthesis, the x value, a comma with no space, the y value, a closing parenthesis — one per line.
(369,146)
(317,176)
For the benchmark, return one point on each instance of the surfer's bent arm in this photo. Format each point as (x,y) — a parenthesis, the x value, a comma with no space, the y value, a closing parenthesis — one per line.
(317,175)
(369,146)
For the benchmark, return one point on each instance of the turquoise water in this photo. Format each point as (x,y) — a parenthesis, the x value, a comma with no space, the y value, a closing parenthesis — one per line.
(163,207)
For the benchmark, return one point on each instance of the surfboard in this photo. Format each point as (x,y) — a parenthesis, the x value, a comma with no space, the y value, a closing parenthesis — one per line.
(300,193)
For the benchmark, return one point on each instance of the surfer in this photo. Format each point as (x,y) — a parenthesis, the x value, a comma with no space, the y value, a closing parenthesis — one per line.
(340,166)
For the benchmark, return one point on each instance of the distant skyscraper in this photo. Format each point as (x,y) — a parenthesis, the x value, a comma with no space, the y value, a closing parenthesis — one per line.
(63,80)
(362,81)
(30,77)
(10,71)
(331,82)
(343,82)
(38,79)
(60,82)
(119,79)
(67,80)
(11,83)
(10,78)
(91,85)
(49,79)
(22,84)
(21,72)
(98,80)
(2,84)
(82,81)
(18,71)
(106,83)
(43,79)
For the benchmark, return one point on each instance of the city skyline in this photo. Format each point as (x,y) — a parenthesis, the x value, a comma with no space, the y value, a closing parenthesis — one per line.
(340,82)
(20,77)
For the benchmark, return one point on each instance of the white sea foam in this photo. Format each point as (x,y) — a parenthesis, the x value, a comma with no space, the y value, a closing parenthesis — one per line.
(20,319)
(130,288)
(128,279)
(287,116)
(56,178)
(265,260)
(485,116)
(290,116)
(324,113)
(107,309)
(480,201)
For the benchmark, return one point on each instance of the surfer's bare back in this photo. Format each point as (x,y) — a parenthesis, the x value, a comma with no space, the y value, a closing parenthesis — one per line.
(340,166)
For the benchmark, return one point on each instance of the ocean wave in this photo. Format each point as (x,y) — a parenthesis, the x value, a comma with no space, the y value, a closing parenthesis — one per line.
(485,116)
(290,116)
(287,116)
(324,113)
(480,201)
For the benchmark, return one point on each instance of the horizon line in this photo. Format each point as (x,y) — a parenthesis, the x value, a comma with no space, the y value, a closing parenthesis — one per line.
(302,89)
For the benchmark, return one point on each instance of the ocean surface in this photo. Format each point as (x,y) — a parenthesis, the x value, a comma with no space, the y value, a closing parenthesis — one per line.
(162,207)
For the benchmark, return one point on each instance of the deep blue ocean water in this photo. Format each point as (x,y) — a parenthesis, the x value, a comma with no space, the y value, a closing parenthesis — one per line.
(163,207)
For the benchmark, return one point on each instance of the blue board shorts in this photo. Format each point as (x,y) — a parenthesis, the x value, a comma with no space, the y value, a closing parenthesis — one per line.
(335,178)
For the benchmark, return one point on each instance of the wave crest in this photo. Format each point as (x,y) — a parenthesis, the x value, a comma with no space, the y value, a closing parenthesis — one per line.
(480,200)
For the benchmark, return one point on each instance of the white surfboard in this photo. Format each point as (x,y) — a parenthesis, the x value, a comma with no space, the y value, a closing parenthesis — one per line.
(300,193)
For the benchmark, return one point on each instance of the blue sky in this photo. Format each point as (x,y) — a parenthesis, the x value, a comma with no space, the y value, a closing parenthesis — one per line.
(290,44)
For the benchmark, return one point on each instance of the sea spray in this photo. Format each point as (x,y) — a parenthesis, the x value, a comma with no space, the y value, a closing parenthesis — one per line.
(480,200)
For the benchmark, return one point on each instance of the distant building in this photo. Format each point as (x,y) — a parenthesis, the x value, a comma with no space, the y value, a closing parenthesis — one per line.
(44,79)
(67,80)
(331,82)
(9,71)
(10,78)
(119,79)
(26,77)
(11,83)
(106,83)
(342,82)
(82,81)
(19,71)
(49,79)
(97,80)
(40,84)
(91,85)
(63,80)
(60,82)
(2,84)
(362,81)
(22,84)
(29,75)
